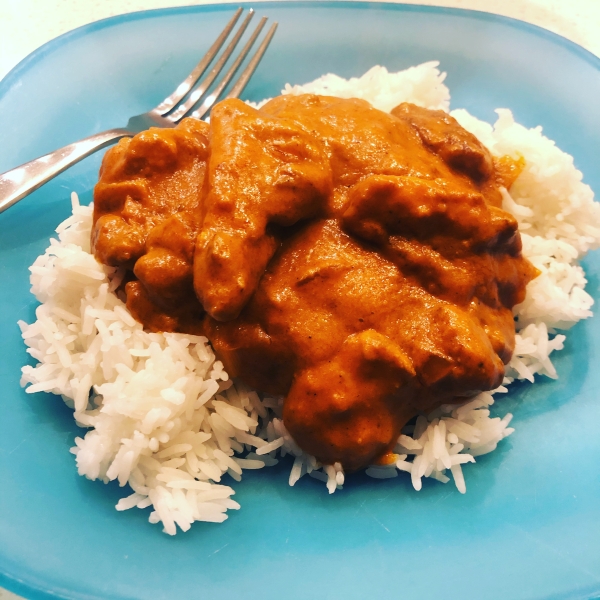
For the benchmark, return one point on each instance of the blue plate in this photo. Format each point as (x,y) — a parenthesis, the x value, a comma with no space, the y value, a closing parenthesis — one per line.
(529,524)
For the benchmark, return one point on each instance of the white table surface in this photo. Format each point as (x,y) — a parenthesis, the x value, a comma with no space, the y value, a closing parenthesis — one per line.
(27,24)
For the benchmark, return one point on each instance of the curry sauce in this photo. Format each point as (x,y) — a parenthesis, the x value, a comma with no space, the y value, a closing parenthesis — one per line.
(357,262)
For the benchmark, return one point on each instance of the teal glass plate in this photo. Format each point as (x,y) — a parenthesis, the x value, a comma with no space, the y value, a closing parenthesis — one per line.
(529,525)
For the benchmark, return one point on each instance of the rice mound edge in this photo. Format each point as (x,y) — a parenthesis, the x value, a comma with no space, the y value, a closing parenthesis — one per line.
(163,416)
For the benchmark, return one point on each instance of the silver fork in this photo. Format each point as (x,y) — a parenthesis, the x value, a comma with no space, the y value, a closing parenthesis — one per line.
(21,181)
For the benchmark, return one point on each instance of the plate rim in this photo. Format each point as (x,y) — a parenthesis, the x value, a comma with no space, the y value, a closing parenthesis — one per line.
(12,77)
(33,587)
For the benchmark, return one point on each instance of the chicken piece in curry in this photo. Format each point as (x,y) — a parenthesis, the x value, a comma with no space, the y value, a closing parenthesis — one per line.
(356,262)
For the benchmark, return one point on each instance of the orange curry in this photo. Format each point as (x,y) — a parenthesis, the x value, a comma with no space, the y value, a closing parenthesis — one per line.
(355,261)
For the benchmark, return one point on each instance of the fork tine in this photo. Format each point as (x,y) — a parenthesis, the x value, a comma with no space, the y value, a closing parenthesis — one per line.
(185,86)
(246,74)
(214,72)
(238,88)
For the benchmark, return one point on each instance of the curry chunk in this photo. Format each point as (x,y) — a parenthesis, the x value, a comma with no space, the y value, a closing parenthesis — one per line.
(146,219)
(357,414)
(144,180)
(262,171)
(442,134)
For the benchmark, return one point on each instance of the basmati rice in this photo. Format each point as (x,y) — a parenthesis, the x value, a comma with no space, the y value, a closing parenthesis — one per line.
(164,418)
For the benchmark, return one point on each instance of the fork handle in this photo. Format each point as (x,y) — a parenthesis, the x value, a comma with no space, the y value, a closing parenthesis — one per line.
(20,181)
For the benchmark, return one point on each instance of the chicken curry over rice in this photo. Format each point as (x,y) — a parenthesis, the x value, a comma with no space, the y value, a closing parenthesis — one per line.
(355,261)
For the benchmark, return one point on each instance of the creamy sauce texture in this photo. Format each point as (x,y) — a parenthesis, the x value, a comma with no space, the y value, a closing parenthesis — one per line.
(355,261)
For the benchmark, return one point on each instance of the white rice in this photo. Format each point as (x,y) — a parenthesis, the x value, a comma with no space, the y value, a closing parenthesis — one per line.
(164,418)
